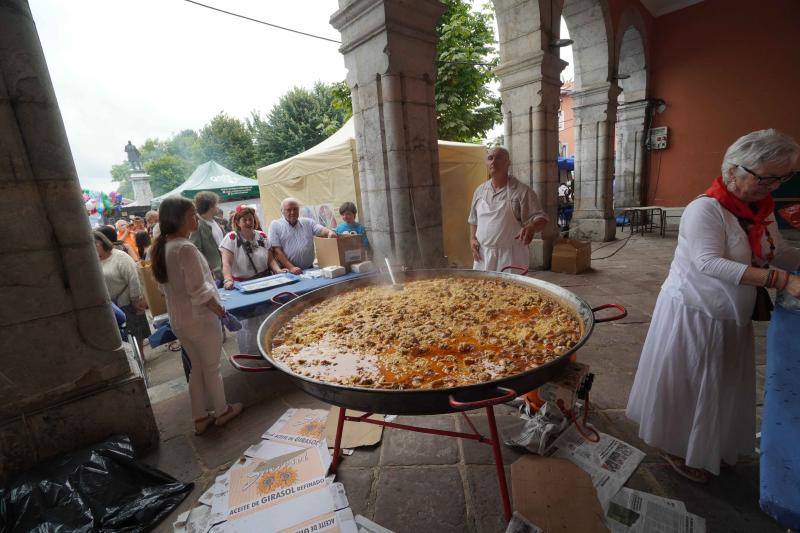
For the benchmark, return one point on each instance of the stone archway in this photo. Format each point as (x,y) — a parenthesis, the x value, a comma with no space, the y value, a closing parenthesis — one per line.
(529,75)
(631,110)
(595,105)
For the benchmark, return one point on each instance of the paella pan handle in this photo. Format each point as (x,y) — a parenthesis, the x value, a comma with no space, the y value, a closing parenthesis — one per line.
(276,301)
(523,269)
(623,312)
(236,359)
(506,395)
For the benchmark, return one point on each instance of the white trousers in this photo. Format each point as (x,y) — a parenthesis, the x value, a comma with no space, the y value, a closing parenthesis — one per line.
(206,390)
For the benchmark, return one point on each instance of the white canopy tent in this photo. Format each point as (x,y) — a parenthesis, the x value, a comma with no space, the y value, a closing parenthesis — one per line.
(325,176)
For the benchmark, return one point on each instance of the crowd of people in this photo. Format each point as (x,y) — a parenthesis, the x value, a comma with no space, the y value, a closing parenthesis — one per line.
(694,392)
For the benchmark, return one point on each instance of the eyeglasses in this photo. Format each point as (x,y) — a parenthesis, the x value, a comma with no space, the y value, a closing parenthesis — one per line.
(771,180)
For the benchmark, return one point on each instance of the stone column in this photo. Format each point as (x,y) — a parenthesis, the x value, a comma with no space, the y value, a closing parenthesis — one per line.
(629,154)
(529,89)
(595,114)
(389,48)
(65,380)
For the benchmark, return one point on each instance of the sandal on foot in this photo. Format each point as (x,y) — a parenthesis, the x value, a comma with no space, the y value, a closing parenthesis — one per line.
(202,424)
(698,475)
(233,410)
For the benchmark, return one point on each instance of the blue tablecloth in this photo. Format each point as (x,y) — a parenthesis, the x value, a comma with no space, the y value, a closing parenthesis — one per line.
(780,422)
(243,305)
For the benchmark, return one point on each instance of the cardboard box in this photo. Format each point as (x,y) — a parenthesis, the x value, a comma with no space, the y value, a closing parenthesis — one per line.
(343,251)
(152,295)
(571,256)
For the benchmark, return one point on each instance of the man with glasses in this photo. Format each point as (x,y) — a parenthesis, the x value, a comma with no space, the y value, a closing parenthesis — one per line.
(292,237)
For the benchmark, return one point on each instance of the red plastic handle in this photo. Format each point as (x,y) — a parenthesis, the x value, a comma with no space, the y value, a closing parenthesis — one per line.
(623,314)
(274,299)
(515,267)
(235,358)
(508,395)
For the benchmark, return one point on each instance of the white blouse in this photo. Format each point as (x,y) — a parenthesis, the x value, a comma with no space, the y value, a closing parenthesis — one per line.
(712,255)
(188,289)
(241,267)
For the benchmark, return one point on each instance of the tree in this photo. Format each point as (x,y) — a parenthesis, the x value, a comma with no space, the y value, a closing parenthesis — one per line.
(301,119)
(120,173)
(227,140)
(167,172)
(466,57)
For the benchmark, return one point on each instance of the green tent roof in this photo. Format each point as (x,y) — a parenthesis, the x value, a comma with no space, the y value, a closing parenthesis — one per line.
(214,177)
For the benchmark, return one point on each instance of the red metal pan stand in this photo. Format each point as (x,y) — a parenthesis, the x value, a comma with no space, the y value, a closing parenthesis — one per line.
(493,440)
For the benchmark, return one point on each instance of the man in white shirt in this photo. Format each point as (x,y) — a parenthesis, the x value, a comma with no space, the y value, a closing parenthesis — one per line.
(292,237)
(504,216)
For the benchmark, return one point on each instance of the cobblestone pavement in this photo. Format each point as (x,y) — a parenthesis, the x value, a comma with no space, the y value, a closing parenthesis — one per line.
(417,482)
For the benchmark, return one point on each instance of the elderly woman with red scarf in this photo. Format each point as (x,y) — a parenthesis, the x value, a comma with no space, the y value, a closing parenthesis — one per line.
(694,391)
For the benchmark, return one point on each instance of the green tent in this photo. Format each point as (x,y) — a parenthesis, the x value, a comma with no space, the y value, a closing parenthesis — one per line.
(214,177)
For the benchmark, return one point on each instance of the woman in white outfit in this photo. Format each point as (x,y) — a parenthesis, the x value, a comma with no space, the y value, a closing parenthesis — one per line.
(246,255)
(504,216)
(694,391)
(194,310)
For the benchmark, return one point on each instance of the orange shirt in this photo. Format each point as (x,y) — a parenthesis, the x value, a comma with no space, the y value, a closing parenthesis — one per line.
(130,240)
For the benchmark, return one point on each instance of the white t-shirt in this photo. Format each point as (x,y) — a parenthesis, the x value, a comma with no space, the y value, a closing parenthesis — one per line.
(297,241)
(241,267)
(122,281)
(188,288)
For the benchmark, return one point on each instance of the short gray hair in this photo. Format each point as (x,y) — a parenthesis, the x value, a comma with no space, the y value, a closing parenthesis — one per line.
(501,148)
(287,201)
(759,147)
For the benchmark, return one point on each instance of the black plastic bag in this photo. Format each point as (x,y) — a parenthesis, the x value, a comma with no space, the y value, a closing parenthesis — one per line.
(100,488)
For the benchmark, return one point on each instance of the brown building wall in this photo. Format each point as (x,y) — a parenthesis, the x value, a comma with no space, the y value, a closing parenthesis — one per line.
(566,135)
(724,68)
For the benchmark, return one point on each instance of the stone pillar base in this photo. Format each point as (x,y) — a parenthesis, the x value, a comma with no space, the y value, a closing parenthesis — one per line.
(593,229)
(29,438)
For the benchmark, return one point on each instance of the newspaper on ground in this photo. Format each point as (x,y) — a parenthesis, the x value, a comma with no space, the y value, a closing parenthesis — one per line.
(365,525)
(539,429)
(609,462)
(520,524)
(633,511)
(301,427)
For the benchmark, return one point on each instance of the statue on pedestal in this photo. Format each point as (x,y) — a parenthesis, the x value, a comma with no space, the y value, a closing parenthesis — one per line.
(133,156)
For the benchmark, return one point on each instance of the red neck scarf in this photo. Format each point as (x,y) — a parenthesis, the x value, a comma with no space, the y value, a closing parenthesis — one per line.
(754,221)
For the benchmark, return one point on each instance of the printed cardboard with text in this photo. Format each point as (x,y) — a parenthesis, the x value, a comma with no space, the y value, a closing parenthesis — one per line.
(281,492)
(301,427)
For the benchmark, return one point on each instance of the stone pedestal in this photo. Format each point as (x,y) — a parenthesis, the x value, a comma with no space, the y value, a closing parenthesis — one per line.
(65,381)
(529,88)
(389,49)
(142,193)
(595,114)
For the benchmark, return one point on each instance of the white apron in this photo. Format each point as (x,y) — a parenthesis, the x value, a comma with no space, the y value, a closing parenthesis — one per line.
(496,231)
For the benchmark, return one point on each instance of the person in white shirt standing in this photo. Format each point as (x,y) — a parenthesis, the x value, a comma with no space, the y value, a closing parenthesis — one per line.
(122,283)
(694,393)
(504,216)
(292,237)
(194,309)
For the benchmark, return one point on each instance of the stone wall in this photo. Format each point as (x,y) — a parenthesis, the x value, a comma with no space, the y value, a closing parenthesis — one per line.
(64,380)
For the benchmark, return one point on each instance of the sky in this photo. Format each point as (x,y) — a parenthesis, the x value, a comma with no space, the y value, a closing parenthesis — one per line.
(133,70)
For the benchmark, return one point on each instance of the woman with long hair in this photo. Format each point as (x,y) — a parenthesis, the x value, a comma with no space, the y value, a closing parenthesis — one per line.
(194,310)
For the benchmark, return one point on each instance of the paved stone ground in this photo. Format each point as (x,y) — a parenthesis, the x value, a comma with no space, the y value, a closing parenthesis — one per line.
(417,482)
